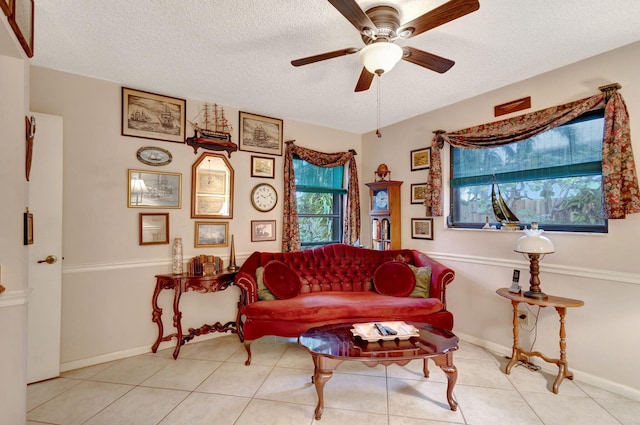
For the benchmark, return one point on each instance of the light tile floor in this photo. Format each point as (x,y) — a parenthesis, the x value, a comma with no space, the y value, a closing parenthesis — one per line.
(209,384)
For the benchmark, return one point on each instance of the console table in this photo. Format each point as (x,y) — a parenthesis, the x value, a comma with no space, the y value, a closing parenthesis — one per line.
(561,305)
(180,284)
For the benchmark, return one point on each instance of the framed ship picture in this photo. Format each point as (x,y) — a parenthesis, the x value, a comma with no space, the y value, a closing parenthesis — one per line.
(153,116)
(260,134)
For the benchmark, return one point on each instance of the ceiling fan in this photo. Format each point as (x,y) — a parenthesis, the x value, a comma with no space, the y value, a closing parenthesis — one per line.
(380,27)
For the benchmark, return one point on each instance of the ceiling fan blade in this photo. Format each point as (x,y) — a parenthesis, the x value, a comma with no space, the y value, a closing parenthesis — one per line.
(440,15)
(354,14)
(365,80)
(428,60)
(324,56)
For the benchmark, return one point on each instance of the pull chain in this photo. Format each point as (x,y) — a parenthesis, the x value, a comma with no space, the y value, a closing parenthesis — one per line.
(378,105)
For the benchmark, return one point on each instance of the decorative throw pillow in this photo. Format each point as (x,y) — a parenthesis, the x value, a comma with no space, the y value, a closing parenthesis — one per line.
(283,282)
(394,278)
(423,281)
(263,292)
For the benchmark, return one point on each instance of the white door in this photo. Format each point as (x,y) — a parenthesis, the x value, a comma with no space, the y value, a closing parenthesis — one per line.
(45,278)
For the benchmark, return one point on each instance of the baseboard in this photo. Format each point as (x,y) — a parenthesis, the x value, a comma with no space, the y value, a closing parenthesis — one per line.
(585,377)
(119,355)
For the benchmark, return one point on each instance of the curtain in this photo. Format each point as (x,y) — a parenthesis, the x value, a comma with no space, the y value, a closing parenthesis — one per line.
(620,183)
(290,230)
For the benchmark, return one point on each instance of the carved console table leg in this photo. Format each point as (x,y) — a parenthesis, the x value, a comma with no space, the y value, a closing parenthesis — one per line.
(177,320)
(156,316)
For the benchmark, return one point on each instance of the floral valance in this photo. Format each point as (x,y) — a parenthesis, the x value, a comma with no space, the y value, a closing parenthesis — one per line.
(620,181)
(290,230)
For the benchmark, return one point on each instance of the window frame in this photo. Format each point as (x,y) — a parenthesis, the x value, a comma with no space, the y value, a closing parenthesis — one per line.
(337,217)
(584,169)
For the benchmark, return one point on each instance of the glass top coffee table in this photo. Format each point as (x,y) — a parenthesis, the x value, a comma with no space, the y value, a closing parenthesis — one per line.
(330,345)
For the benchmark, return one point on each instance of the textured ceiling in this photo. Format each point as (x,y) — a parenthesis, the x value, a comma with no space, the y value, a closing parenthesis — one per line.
(238,52)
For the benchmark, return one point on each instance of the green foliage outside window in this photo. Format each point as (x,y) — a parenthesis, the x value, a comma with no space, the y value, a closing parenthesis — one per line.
(319,197)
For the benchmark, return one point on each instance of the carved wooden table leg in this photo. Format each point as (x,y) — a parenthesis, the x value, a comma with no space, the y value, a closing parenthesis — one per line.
(515,352)
(322,372)
(157,315)
(445,361)
(177,320)
(563,367)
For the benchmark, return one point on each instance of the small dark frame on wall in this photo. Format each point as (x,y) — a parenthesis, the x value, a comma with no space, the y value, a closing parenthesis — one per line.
(28,228)
(153,116)
(262,166)
(263,230)
(21,21)
(418,193)
(6,6)
(260,134)
(420,159)
(154,228)
(422,228)
(211,234)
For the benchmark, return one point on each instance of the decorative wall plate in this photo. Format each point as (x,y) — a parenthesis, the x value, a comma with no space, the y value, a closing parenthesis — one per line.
(154,156)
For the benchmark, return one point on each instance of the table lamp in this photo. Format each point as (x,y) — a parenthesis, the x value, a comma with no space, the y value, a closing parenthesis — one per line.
(534,245)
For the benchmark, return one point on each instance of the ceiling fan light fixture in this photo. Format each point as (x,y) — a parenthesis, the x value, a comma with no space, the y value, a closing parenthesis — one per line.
(380,57)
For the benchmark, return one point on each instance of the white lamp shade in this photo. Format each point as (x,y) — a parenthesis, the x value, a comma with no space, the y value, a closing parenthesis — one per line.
(534,243)
(380,57)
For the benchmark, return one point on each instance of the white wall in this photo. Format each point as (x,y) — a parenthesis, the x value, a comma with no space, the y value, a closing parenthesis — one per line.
(602,270)
(108,279)
(13,254)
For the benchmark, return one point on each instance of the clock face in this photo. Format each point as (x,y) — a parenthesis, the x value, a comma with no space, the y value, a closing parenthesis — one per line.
(264,197)
(381,200)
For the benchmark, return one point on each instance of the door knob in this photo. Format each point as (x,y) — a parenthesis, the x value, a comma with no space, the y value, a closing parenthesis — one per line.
(49,260)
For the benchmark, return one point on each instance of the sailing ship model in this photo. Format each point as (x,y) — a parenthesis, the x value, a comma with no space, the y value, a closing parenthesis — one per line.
(503,214)
(212,132)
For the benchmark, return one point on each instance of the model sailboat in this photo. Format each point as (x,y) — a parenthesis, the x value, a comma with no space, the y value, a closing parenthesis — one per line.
(503,214)
(212,130)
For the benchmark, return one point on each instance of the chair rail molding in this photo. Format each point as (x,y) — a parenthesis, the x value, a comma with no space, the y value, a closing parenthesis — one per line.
(584,272)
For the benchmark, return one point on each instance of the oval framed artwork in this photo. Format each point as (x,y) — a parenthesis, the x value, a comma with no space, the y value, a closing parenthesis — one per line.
(154,156)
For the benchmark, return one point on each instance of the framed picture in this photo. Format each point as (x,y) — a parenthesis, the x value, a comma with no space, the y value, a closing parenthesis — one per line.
(151,155)
(418,193)
(154,228)
(262,166)
(211,233)
(420,159)
(28,228)
(152,116)
(154,189)
(260,134)
(422,228)
(6,6)
(21,21)
(263,230)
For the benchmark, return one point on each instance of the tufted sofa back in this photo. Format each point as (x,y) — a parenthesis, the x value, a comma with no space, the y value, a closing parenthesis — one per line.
(335,267)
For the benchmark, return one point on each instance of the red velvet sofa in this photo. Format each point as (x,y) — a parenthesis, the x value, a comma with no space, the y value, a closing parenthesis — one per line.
(336,285)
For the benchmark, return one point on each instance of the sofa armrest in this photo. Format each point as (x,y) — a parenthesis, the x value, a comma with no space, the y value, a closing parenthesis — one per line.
(248,287)
(441,275)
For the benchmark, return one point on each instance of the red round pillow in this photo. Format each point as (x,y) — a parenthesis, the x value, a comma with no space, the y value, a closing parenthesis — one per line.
(283,282)
(394,278)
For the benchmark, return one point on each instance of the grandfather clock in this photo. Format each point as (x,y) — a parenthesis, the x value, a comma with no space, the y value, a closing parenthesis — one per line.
(384,213)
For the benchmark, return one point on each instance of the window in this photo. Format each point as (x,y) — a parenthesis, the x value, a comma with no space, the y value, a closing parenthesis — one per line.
(319,197)
(554,178)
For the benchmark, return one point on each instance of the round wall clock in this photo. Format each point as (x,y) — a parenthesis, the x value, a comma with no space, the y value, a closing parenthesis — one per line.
(154,156)
(264,197)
